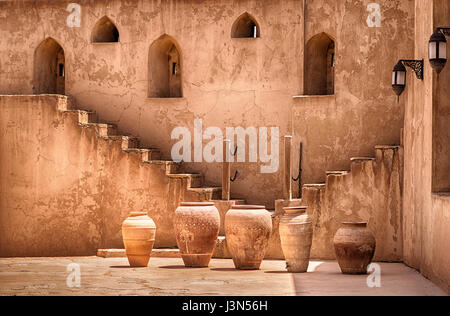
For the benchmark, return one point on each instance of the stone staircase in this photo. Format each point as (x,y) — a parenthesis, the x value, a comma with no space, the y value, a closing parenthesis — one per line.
(131,146)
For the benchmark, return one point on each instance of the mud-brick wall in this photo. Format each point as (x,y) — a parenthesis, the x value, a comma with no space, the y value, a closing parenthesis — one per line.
(371,192)
(66,191)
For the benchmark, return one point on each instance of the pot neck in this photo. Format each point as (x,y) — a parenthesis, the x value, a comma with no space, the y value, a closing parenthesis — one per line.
(136,214)
(296,210)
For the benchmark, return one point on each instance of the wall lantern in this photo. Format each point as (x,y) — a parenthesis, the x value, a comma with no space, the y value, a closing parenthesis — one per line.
(399,73)
(437,48)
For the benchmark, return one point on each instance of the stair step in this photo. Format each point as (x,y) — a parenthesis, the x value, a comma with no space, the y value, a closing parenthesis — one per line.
(103,129)
(146,154)
(84,116)
(195,179)
(171,166)
(127,141)
(212,193)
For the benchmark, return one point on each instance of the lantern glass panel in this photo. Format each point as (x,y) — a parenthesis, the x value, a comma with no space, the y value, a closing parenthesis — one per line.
(443,50)
(432,50)
(401,78)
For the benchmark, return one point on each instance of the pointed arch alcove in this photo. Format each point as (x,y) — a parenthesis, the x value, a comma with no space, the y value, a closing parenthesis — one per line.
(105,31)
(49,68)
(164,68)
(319,65)
(245,26)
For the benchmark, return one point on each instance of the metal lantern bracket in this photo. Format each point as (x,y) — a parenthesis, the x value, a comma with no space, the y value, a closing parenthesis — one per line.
(416,65)
(445,30)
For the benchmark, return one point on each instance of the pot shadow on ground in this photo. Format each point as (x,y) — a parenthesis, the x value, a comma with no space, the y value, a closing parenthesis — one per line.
(126,267)
(229,270)
(278,272)
(181,267)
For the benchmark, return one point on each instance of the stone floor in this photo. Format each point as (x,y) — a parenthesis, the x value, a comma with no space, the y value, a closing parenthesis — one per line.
(168,276)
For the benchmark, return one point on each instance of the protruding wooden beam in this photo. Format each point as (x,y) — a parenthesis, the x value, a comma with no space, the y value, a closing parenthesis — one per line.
(226,171)
(287,172)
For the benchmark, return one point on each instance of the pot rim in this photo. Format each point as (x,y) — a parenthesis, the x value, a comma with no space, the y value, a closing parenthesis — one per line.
(358,224)
(248,207)
(138,213)
(197,204)
(295,209)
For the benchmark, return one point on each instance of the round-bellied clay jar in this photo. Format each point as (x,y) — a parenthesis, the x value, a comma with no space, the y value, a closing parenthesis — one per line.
(196,227)
(296,234)
(247,233)
(354,246)
(138,233)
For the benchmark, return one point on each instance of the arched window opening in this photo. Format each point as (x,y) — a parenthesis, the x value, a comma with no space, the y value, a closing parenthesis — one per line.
(164,69)
(49,68)
(105,31)
(245,27)
(319,65)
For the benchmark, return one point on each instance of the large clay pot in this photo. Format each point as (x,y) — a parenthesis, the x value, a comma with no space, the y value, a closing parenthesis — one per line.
(247,231)
(196,227)
(355,246)
(138,233)
(296,234)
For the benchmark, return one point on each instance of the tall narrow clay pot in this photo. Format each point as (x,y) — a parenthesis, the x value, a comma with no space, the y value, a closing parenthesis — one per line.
(355,246)
(296,234)
(196,227)
(247,231)
(138,233)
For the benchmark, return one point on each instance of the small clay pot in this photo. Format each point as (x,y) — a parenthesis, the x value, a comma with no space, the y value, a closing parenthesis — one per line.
(296,234)
(247,231)
(196,227)
(354,246)
(138,233)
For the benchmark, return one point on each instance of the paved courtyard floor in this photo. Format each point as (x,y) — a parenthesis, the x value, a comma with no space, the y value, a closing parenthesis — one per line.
(168,276)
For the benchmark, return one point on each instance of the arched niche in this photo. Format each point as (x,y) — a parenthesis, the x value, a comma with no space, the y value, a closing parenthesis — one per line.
(105,31)
(49,68)
(319,65)
(245,26)
(164,68)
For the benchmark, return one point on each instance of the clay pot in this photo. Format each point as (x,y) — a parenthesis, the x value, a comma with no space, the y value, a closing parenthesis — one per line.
(196,227)
(247,231)
(354,245)
(138,233)
(296,234)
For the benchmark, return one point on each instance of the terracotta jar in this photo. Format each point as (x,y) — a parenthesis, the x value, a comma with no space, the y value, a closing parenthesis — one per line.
(138,233)
(247,231)
(296,234)
(354,245)
(196,227)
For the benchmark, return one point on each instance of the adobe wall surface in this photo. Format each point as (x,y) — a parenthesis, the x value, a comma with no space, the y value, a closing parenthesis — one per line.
(426,215)
(66,191)
(226,82)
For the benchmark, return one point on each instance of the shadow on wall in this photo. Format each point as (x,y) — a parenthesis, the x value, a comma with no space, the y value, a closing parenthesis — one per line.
(105,31)
(49,68)
(319,65)
(245,27)
(164,69)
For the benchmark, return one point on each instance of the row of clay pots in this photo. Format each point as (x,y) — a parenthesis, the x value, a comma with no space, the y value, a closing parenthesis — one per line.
(247,229)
